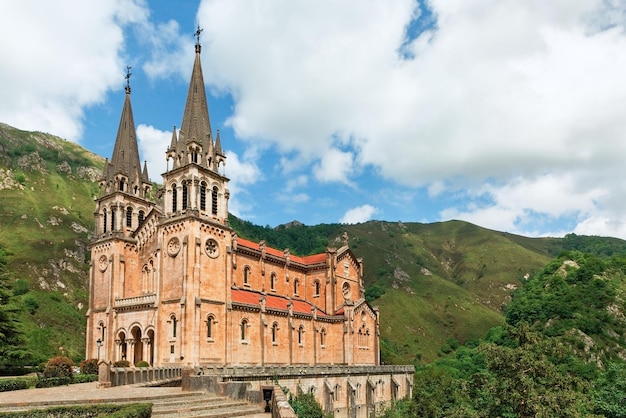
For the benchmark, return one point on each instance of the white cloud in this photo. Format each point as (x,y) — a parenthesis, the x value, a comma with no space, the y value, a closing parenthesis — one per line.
(359,214)
(58,58)
(334,165)
(497,89)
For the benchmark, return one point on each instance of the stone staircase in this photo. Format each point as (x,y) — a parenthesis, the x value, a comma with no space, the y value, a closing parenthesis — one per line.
(204,405)
(186,404)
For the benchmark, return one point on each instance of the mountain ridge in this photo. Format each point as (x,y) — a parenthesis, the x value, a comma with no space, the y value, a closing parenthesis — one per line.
(433,282)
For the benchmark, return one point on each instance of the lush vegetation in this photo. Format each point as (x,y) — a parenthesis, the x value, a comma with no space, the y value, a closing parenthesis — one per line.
(560,352)
(137,410)
(306,406)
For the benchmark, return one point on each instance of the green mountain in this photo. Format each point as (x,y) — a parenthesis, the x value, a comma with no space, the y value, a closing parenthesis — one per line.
(435,284)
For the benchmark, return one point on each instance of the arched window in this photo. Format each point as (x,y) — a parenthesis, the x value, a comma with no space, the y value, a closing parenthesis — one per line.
(121,185)
(214,200)
(316,289)
(209,326)
(174,322)
(174,197)
(244,326)
(323,337)
(274,332)
(104,222)
(184,203)
(246,275)
(129,217)
(102,329)
(112,225)
(301,335)
(203,196)
(141,216)
(273,281)
(296,285)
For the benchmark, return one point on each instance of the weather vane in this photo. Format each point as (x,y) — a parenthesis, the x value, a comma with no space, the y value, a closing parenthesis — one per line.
(128,74)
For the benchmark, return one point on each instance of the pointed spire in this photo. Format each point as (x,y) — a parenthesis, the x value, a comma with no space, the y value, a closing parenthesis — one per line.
(174,142)
(218,144)
(196,126)
(125,159)
(144,176)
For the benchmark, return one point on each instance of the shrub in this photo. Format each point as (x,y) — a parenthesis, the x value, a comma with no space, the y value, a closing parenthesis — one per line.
(142,364)
(137,410)
(49,382)
(89,366)
(306,406)
(85,378)
(31,304)
(13,384)
(121,363)
(59,366)
(21,287)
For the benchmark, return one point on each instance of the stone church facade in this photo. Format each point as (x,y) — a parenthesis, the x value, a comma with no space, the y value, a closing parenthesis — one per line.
(171,283)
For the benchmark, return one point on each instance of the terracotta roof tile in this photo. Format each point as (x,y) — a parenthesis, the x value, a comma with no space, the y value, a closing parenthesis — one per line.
(309,259)
(249,297)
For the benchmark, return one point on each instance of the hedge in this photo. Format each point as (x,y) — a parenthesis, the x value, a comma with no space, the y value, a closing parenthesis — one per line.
(137,410)
(14,384)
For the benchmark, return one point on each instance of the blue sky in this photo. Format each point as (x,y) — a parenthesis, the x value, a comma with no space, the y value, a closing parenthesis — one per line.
(507,114)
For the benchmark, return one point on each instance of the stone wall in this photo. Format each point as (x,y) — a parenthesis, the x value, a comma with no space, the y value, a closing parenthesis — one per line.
(343,391)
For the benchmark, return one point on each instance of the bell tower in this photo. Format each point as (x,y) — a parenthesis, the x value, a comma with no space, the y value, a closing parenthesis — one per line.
(194,181)
(124,186)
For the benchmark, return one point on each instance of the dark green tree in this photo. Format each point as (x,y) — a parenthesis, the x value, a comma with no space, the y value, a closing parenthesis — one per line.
(12,350)
(529,379)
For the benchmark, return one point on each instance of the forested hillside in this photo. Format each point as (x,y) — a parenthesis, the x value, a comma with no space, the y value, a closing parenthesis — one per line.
(437,285)
(560,354)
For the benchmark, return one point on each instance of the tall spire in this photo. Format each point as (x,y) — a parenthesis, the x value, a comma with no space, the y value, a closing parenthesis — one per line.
(125,165)
(196,126)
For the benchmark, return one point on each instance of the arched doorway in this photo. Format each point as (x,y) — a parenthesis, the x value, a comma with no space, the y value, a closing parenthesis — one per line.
(137,345)
(151,346)
(123,348)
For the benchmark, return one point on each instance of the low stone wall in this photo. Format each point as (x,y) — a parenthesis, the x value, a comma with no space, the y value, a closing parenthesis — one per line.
(118,376)
(343,391)
(280,407)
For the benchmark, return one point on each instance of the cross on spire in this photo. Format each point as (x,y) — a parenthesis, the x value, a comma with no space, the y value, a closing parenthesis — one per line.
(127,77)
(197,34)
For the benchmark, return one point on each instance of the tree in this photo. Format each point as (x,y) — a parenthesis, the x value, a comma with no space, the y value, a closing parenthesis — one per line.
(529,379)
(12,350)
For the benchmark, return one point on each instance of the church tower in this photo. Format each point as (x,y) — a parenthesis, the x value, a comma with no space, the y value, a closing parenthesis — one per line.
(195,180)
(124,202)
(121,209)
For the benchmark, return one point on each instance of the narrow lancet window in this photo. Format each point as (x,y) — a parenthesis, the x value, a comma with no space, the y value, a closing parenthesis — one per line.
(214,201)
(174,197)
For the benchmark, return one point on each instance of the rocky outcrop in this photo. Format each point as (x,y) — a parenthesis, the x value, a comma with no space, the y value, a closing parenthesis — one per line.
(8,181)
(89,173)
(64,168)
(32,162)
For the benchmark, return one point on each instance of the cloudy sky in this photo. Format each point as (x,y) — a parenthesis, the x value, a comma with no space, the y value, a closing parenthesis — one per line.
(509,114)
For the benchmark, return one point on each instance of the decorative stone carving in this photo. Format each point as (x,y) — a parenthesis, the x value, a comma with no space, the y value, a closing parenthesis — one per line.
(212,248)
(103,263)
(173,247)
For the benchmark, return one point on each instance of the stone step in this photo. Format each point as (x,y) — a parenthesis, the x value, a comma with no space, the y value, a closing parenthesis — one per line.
(186,404)
(207,406)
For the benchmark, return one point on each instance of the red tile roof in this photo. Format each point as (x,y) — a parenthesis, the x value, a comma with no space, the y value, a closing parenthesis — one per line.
(309,259)
(249,297)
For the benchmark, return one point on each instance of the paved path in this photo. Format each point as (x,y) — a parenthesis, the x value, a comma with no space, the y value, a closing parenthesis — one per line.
(82,393)
(85,393)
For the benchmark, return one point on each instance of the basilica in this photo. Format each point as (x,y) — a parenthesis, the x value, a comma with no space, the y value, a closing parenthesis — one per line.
(171,283)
